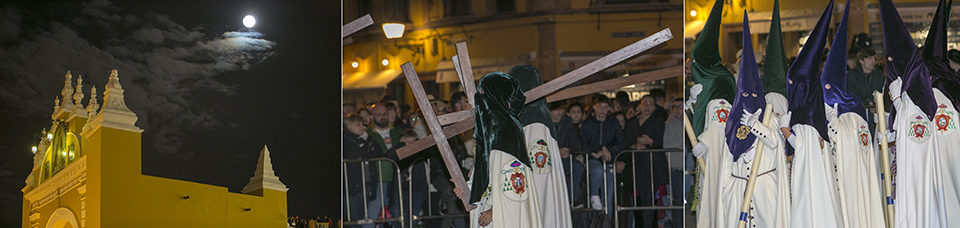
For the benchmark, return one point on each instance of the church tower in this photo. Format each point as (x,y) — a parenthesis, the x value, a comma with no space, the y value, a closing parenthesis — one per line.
(87,173)
(266,183)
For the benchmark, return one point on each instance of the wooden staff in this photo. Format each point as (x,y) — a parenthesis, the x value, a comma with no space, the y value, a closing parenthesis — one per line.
(693,139)
(752,179)
(884,156)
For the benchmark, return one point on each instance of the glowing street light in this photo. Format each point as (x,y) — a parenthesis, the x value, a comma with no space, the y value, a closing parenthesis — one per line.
(355,64)
(385,62)
(393,30)
(693,13)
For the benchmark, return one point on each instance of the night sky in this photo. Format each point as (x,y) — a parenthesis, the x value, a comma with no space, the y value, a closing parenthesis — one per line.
(208,92)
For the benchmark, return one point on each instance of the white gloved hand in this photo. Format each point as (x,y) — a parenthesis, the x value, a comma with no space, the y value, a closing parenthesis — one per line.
(891,136)
(749,118)
(831,112)
(876,118)
(692,98)
(896,88)
(785,119)
(699,150)
(895,92)
(695,91)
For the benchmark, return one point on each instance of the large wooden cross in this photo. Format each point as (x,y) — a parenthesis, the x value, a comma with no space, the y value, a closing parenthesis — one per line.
(352,27)
(464,120)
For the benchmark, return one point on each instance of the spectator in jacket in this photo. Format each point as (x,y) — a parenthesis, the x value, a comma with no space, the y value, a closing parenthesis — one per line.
(603,138)
(645,131)
(575,112)
(386,136)
(357,144)
(568,140)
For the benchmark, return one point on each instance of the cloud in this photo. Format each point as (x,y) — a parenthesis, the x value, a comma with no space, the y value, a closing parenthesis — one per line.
(161,64)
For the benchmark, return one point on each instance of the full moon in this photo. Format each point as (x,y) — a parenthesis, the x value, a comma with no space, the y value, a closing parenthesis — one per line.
(249,21)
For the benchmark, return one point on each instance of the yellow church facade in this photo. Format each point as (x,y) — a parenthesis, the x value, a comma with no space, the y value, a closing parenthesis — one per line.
(87,173)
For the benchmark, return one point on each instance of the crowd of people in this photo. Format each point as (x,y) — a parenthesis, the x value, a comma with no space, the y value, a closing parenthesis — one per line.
(590,132)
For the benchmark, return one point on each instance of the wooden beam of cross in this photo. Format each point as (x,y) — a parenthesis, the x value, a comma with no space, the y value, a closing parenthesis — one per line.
(634,79)
(438,135)
(463,120)
(462,61)
(354,26)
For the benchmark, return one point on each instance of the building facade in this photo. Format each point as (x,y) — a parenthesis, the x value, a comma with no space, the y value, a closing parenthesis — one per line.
(557,36)
(87,173)
(799,17)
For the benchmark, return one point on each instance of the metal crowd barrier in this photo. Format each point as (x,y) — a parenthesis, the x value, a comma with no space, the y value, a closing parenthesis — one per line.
(404,180)
(429,204)
(349,220)
(633,155)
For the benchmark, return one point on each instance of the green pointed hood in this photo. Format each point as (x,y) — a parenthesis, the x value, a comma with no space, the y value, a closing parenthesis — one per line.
(774,76)
(708,70)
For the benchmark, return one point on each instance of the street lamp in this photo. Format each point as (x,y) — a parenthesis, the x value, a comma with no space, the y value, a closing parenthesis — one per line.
(385,62)
(354,64)
(393,30)
(693,13)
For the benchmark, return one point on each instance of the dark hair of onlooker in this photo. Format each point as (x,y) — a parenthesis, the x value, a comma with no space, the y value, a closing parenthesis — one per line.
(621,113)
(408,133)
(658,93)
(556,105)
(865,53)
(573,104)
(622,98)
(389,106)
(953,55)
(600,98)
(456,97)
(404,109)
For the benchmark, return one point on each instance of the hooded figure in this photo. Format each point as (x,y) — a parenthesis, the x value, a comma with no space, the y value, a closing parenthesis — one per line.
(544,154)
(813,181)
(710,117)
(502,173)
(849,132)
(919,191)
(774,75)
(770,205)
(945,89)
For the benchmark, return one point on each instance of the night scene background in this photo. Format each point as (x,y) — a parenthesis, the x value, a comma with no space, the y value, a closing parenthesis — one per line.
(208,92)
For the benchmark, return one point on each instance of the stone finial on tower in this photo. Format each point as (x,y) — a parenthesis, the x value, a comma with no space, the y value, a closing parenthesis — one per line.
(66,94)
(92,108)
(263,176)
(114,112)
(78,108)
(56,105)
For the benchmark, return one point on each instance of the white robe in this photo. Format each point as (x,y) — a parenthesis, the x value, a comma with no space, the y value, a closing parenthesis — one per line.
(511,194)
(770,206)
(857,176)
(815,199)
(949,141)
(548,175)
(919,189)
(710,212)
